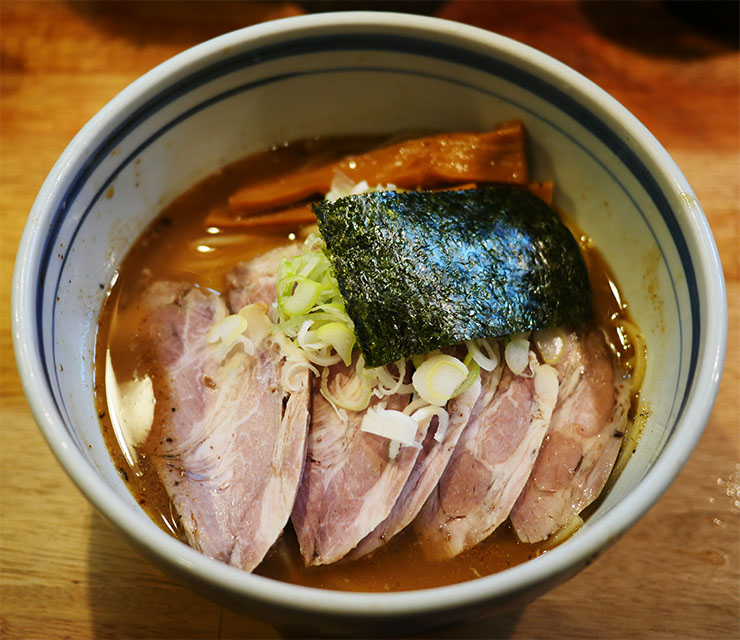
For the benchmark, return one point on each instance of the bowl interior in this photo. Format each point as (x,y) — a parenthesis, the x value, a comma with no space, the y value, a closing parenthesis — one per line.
(347,75)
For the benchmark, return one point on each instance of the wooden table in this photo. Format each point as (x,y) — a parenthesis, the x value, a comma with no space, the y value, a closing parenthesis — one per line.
(66,572)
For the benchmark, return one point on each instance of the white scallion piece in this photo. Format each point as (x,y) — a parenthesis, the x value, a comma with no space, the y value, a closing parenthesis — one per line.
(516,353)
(389,423)
(427,413)
(227,333)
(385,383)
(439,377)
(415,404)
(485,353)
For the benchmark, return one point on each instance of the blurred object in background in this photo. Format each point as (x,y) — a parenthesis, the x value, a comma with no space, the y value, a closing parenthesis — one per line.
(186,23)
(667,28)
(427,7)
(717,17)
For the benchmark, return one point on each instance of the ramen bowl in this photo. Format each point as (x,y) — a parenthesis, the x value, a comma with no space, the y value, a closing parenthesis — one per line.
(356,73)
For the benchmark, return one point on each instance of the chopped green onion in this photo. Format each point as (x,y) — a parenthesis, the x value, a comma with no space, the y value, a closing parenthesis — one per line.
(339,336)
(300,294)
(311,309)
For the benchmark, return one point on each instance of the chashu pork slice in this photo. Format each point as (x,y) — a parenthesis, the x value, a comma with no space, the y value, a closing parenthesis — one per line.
(350,483)
(430,464)
(583,440)
(229,439)
(491,462)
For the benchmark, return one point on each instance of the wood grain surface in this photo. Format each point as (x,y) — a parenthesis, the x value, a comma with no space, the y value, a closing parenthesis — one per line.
(67,573)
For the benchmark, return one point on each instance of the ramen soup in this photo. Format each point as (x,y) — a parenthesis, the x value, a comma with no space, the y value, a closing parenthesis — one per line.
(368,363)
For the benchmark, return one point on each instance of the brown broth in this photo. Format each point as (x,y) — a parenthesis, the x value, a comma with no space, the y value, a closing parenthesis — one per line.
(178,246)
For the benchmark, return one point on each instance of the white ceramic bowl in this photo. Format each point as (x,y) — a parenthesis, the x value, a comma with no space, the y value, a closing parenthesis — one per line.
(350,73)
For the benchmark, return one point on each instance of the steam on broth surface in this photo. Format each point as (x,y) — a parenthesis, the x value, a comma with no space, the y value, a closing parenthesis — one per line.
(186,245)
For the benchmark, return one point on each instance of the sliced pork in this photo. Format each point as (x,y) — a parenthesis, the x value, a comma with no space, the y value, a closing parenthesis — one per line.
(228,441)
(425,475)
(254,280)
(350,483)
(491,462)
(585,434)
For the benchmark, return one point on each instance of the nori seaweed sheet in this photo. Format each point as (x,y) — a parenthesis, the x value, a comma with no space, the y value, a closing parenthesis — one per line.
(421,270)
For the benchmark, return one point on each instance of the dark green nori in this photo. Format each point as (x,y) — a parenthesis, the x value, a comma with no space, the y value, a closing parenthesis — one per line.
(421,270)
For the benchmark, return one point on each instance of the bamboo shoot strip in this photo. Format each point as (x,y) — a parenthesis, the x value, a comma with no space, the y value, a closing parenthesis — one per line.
(448,158)
(302,214)
(422,270)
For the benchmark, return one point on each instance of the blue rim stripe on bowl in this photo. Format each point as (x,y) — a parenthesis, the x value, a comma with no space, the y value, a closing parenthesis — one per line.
(378,43)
